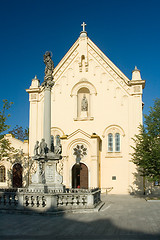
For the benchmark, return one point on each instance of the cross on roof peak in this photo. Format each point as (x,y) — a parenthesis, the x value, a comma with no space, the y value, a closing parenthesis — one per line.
(83,25)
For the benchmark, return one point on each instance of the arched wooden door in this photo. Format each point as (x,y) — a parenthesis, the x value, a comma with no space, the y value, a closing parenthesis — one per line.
(80,176)
(17,175)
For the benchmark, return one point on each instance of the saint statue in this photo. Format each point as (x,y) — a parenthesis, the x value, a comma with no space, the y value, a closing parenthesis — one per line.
(43,147)
(58,147)
(36,148)
(84,104)
(49,64)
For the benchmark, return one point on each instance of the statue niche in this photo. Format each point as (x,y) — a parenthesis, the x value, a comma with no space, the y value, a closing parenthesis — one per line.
(83,103)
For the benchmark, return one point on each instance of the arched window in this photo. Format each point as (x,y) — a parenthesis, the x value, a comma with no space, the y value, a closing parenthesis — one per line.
(83,103)
(110,142)
(2,174)
(117,142)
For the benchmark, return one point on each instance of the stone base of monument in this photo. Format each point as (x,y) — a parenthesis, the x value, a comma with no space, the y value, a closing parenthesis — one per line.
(47,179)
(28,200)
(47,194)
(71,200)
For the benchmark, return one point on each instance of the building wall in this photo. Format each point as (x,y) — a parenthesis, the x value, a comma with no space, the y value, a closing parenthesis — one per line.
(114,106)
(19,155)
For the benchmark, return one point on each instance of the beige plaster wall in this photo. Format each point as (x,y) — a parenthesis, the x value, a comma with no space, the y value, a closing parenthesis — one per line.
(115,102)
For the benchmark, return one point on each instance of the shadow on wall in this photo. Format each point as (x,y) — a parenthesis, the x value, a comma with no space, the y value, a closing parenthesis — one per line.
(138,185)
(143,187)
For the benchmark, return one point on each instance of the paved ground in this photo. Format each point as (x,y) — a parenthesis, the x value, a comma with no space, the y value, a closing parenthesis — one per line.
(121,218)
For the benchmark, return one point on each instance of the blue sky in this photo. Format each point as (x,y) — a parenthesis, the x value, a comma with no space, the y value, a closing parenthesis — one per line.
(127,31)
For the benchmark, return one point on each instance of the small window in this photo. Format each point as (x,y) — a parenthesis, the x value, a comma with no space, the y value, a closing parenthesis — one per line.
(110,142)
(113,177)
(2,174)
(117,142)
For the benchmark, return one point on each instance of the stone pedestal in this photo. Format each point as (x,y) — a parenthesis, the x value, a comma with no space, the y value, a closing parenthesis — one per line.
(46,177)
(53,180)
(84,114)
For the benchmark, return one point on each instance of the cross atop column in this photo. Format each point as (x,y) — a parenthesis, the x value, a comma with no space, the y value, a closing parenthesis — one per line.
(83,25)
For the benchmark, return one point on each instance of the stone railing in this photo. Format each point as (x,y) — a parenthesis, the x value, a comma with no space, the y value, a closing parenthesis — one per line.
(40,201)
(79,199)
(8,199)
(34,190)
(80,190)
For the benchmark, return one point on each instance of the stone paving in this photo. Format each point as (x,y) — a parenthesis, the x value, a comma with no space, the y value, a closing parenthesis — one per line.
(122,217)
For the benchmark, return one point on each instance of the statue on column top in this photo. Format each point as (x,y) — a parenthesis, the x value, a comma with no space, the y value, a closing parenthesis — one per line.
(49,66)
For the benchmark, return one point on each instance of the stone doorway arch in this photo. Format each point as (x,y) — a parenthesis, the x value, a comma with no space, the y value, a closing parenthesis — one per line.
(80,176)
(17,175)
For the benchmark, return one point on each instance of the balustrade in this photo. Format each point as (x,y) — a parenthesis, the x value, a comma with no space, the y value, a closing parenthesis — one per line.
(70,199)
(8,200)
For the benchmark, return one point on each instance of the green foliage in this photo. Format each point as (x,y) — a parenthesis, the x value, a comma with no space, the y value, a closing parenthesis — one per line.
(6,150)
(147,145)
(4,116)
(152,121)
(19,133)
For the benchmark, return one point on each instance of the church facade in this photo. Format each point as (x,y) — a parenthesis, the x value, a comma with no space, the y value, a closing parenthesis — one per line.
(95,112)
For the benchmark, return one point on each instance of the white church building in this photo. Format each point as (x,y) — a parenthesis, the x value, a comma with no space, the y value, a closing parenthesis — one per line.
(95,111)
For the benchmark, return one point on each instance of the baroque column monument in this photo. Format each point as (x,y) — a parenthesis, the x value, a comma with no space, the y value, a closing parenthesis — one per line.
(46,154)
(46,192)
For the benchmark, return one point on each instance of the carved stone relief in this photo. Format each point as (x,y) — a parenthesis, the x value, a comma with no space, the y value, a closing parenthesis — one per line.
(60,166)
(79,151)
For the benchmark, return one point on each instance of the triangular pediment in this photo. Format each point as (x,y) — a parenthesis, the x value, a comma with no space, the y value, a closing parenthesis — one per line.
(97,55)
(105,62)
(66,60)
(78,132)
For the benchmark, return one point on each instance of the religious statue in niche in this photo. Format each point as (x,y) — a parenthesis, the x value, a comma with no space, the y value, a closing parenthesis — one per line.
(84,104)
(84,107)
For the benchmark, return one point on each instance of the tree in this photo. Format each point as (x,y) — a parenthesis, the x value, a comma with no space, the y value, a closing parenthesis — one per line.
(4,116)
(20,133)
(147,145)
(152,121)
(5,146)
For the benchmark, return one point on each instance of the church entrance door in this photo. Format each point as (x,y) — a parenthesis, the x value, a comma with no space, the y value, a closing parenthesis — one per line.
(80,176)
(17,175)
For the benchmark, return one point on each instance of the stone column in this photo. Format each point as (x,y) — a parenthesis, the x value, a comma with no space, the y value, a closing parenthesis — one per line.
(47,115)
(47,84)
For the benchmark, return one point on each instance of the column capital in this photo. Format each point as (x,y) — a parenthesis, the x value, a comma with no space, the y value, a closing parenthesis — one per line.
(48,84)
